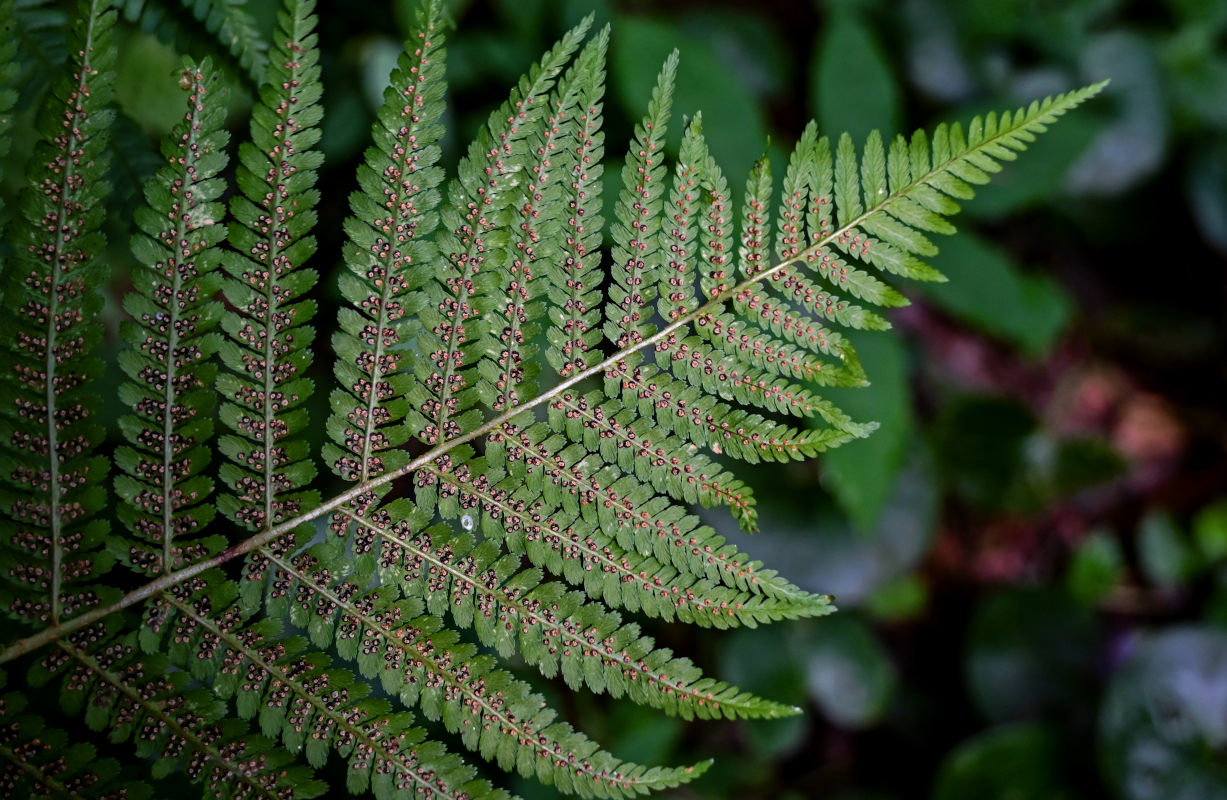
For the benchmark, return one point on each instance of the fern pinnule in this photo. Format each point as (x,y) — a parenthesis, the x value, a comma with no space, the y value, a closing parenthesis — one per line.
(638,213)
(393,213)
(509,366)
(680,233)
(459,302)
(53,482)
(574,275)
(268,347)
(171,342)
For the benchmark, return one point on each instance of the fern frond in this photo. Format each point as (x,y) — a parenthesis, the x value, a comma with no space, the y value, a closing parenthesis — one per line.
(670,464)
(8,75)
(138,697)
(393,214)
(37,760)
(476,219)
(234,28)
(540,503)
(268,350)
(679,234)
(509,367)
(39,32)
(676,572)
(554,629)
(8,90)
(426,665)
(296,698)
(171,342)
(230,39)
(574,274)
(52,544)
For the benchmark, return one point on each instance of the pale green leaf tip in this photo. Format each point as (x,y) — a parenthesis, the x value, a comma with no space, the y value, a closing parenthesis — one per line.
(695,770)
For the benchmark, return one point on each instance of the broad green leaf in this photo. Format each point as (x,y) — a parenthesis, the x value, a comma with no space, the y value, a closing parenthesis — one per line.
(733,121)
(862,473)
(1018,762)
(1028,310)
(852,89)
(849,673)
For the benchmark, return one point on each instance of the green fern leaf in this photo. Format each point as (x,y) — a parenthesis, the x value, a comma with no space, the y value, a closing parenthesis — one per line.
(267,352)
(141,698)
(39,32)
(545,495)
(8,75)
(229,38)
(171,343)
(36,760)
(555,629)
(638,225)
(288,688)
(53,545)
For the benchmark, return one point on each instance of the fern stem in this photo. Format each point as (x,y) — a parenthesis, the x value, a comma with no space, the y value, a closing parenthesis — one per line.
(55,631)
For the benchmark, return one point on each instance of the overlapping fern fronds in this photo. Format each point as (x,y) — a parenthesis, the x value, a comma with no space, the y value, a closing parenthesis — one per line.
(552,437)
(231,33)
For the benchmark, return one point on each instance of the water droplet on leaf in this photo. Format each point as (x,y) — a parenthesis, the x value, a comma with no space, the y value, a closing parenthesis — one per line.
(466,522)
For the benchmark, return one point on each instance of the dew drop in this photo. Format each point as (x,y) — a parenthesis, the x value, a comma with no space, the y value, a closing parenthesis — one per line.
(466,522)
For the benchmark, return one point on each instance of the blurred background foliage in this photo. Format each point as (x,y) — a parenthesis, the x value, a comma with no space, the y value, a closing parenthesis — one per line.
(1030,555)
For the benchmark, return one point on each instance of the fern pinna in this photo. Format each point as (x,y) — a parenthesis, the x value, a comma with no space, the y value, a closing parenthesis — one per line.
(521,436)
